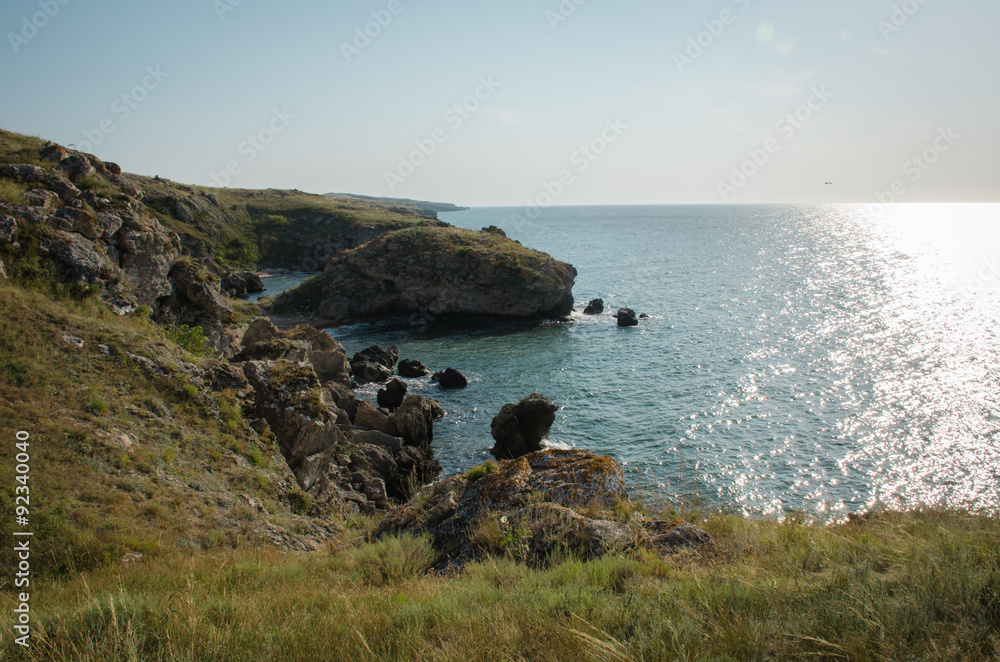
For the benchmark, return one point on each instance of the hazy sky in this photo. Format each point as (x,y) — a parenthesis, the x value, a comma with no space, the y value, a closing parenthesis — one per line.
(578,102)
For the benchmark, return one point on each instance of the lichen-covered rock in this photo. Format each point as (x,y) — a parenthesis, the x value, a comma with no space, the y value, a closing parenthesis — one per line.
(194,286)
(433,272)
(519,428)
(84,259)
(557,480)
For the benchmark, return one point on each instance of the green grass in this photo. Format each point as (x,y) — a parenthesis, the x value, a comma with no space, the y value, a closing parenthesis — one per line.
(12,192)
(903,586)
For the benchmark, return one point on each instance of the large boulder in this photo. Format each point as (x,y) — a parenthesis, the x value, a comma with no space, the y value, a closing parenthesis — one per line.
(433,272)
(519,428)
(595,307)
(414,420)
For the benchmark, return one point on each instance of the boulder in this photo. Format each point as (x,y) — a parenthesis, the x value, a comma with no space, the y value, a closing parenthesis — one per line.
(368,416)
(84,259)
(8,226)
(519,428)
(413,368)
(261,330)
(595,307)
(450,378)
(238,284)
(627,317)
(376,438)
(414,420)
(392,396)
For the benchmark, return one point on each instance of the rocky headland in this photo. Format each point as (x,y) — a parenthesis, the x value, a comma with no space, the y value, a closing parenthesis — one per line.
(434,273)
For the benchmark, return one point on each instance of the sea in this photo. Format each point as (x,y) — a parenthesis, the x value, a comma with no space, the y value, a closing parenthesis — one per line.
(817,360)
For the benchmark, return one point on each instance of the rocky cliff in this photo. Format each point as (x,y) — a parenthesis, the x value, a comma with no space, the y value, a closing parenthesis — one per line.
(438,272)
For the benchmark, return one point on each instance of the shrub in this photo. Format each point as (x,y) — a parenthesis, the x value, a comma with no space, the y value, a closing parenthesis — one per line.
(191,339)
(475,473)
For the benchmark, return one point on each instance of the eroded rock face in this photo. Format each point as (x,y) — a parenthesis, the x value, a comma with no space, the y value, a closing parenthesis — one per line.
(433,272)
(263,341)
(519,428)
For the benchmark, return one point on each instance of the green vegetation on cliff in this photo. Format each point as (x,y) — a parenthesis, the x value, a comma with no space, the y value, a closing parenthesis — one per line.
(244,229)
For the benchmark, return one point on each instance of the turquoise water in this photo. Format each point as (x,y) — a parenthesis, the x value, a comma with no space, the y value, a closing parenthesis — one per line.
(812,358)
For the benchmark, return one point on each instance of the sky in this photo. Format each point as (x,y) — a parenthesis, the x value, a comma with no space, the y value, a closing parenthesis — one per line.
(547,102)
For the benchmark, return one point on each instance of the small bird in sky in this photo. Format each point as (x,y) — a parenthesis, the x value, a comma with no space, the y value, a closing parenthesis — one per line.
(829,183)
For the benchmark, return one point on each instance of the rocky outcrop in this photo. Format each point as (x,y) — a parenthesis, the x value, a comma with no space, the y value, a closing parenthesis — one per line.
(595,307)
(343,464)
(263,341)
(519,428)
(435,272)
(531,507)
(627,317)
(450,378)
(197,288)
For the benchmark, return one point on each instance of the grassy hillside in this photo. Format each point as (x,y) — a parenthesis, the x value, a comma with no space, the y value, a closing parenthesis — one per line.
(246,229)
(126,460)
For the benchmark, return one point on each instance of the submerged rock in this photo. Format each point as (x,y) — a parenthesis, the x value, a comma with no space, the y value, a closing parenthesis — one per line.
(519,428)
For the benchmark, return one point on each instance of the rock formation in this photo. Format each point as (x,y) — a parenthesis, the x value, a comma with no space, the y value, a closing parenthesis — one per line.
(595,307)
(627,317)
(519,428)
(435,272)
(528,508)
